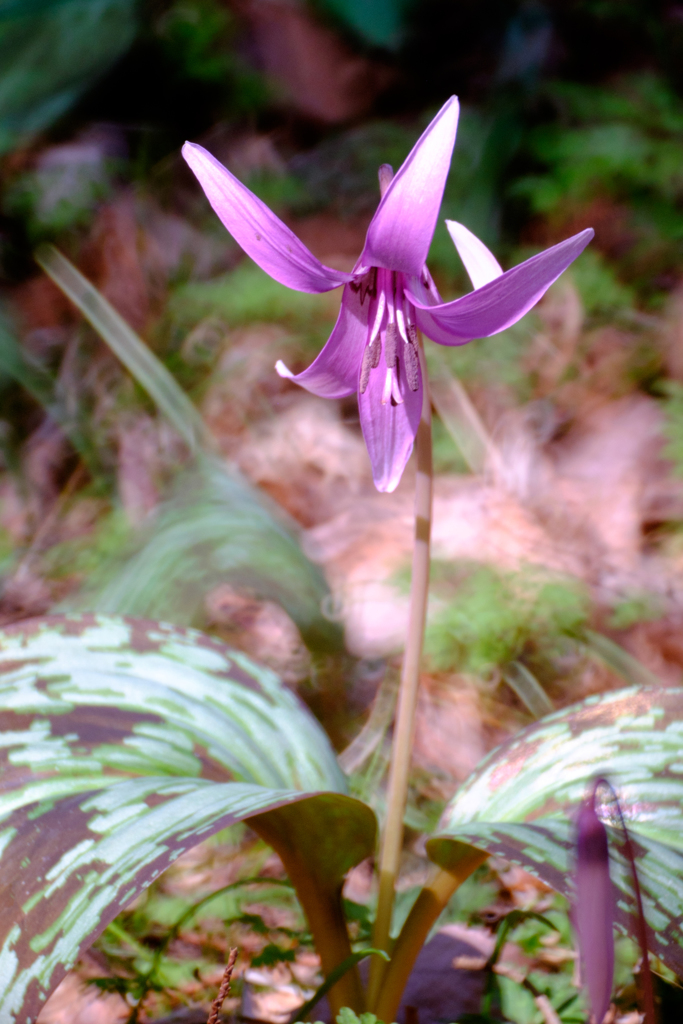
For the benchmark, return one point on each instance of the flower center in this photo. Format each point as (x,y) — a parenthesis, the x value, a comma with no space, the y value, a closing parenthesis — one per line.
(392,331)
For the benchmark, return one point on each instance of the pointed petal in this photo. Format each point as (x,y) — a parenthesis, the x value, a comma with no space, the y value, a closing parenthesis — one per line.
(401,231)
(261,234)
(389,430)
(334,373)
(500,303)
(480,263)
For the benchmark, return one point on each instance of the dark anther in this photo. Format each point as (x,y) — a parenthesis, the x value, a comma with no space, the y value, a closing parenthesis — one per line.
(375,350)
(390,342)
(412,364)
(365,368)
(412,333)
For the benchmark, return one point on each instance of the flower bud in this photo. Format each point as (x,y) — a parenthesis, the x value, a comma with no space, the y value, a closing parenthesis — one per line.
(594,911)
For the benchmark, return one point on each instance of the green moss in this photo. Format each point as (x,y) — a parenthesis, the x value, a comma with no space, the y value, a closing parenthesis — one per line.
(635,608)
(489,618)
(246,296)
(602,293)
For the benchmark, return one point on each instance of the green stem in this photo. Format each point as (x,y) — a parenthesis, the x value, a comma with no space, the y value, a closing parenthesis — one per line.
(392,840)
(432,899)
(355,958)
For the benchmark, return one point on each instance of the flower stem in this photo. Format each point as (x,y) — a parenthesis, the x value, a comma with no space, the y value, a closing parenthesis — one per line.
(433,897)
(392,839)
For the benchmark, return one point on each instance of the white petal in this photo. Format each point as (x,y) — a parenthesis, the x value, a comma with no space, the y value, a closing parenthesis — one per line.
(480,263)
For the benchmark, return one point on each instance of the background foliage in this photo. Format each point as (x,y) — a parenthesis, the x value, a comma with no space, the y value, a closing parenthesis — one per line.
(559,443)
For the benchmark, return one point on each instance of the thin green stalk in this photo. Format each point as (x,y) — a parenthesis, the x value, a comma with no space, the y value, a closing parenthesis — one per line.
(392,839)
(125,343)
(355,958)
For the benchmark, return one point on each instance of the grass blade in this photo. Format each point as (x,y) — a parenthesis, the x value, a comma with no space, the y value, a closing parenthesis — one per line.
(528,689)
(150,373)
(373,732)
(618,660)
(43,388)
(334,977)
(459,416)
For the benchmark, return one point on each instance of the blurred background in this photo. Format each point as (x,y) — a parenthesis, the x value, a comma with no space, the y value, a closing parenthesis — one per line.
(558,540)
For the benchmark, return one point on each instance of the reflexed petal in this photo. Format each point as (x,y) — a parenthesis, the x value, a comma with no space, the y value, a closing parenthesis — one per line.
(480,263)
(401,231)
(500,303)
(434,330)
(334,372)
(389,430)
(261,234)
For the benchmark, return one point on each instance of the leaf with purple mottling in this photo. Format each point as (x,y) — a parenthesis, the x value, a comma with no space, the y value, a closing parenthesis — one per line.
(521,801)
(124,743)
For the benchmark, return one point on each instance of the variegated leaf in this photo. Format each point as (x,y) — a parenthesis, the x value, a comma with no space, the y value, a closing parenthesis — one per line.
(546,849)
(521,800)
(123,743)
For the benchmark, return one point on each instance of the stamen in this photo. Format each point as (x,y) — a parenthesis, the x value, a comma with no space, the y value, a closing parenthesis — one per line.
(371,357)
(385,174)
(401,322)
(392,389)
(375,350)
(365,368)
(391,303)
(388,381)
(412,365)
(390,342)
(379,315)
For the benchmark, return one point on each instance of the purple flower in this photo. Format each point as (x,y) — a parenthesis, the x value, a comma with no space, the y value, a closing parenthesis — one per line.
(389,294)
(594,911)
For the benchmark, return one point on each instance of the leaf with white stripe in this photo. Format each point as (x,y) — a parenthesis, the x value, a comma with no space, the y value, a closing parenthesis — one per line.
(124,743)
(521,800)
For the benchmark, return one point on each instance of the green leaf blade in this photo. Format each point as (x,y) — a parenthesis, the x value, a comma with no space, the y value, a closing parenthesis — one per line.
(546,849)
(631,736)
(235,718)
(70,893)
(521,800)
(124,743)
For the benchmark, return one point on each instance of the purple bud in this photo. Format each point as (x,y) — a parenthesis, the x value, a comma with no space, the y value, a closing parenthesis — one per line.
(594,911)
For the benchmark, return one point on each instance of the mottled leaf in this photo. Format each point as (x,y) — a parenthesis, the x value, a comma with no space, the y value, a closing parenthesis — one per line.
(521,801)
(123,743)
(547,850)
